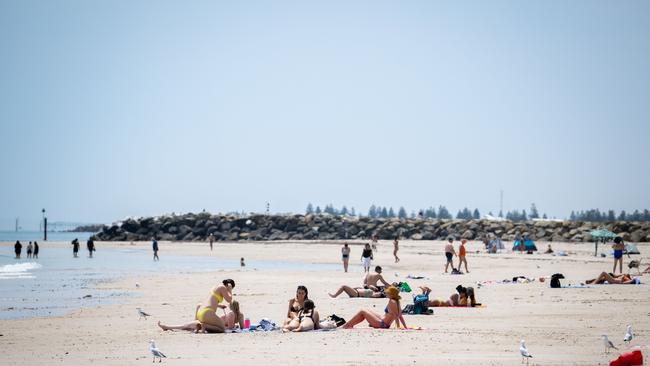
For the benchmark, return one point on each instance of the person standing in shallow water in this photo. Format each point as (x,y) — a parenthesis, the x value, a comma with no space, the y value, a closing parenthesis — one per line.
(154,244)
(91,246)
(345,256)
(30,249)
(36,250)
(75,247)
(18,248)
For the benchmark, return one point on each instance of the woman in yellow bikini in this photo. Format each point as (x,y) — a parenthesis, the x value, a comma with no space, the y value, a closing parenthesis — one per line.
(206,312)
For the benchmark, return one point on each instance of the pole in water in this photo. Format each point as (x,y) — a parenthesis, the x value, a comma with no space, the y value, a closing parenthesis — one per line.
(44,226)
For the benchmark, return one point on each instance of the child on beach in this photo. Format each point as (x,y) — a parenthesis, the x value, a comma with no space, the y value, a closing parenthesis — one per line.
(449,253)
(461,255)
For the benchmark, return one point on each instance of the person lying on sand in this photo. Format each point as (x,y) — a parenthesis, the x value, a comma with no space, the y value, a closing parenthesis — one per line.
(464,297)
(307,319)
(623,279)
(231,320)
(296,304)
(370,281)
(357,292)
(392,312)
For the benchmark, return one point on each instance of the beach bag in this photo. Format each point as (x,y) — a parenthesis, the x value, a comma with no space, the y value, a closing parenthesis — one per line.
(633,358)
(337,320)
(404,287)
(555,280)
(420,304)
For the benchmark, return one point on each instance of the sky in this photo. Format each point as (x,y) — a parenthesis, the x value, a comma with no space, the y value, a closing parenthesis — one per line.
(124,108)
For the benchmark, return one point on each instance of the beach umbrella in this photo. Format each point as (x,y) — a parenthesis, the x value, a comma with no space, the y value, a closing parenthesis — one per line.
(601,234)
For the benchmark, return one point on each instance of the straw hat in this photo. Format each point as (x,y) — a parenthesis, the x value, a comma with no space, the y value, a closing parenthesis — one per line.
(392,293)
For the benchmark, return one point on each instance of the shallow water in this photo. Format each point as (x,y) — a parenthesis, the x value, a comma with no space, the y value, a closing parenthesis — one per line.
(56,283)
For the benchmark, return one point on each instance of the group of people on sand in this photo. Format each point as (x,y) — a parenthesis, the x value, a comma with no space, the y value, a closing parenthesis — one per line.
(450,253)
(32,249)
(367,254)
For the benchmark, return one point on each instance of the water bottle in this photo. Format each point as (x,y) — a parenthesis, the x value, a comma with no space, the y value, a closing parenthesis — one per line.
(247,323)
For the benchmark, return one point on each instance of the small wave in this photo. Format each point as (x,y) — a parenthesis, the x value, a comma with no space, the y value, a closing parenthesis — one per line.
(19,267)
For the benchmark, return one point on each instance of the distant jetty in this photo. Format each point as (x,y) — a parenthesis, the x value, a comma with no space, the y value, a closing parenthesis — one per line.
(198,227)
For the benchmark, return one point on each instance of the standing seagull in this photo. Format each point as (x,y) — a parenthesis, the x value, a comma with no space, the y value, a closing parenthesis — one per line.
(525,355)
(155,351)
(142,314)
(608,344)
(628,335)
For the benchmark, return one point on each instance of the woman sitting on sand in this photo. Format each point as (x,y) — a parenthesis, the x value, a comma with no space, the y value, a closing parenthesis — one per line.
(624,279)
(296,304)
(230,320)
(464,297)
(392,312)
(357,292)
(306,319)
(206,312)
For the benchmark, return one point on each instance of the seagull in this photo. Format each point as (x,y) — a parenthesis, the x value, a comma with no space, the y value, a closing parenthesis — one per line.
(608,344)
(524,352)
(155,351)
(628,334)
(142,314)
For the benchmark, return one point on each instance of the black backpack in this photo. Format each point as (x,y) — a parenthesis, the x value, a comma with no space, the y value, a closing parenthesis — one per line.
(555,280)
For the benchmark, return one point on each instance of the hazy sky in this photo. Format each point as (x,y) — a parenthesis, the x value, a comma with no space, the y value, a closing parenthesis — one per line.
(116,108)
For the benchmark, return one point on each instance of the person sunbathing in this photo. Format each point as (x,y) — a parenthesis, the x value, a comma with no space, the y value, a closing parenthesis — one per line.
(623,279)
(296,304)
(307,319)
(231,320)
(464,297)
(357,292)
(206,318)
(392,312)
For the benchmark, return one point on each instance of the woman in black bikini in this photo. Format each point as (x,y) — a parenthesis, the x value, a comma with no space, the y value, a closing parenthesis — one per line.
(296,304)
(307,319)
(345,254)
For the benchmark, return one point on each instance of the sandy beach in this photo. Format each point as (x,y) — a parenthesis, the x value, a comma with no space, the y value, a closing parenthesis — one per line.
(560,326)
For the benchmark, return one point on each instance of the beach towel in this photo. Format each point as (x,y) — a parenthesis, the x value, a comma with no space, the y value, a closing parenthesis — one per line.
(416,277)
(576,286)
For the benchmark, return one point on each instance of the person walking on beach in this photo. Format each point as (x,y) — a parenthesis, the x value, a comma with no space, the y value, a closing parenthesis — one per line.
(618,247)
(449,253)
(395,249)
(36,250)
(18,248)
(461,255)
(30,248)
(75,247)
(375,242)
(154,244)
(211,240)
(345,255)
(366,258)
(91,246)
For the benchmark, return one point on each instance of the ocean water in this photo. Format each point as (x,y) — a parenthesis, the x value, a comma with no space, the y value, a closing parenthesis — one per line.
(56,283)
(27,236)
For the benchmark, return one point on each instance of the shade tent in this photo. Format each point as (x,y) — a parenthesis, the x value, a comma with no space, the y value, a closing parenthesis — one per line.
(529,245)
(631,249)
(601,235)
(495,245)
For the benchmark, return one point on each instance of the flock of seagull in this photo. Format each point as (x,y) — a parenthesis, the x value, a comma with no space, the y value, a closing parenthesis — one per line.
(629,335)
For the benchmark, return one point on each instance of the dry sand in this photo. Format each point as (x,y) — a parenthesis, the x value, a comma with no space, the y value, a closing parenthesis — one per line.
(560,326)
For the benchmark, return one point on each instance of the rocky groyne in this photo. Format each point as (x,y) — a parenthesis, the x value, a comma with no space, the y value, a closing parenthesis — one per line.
(197,227)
